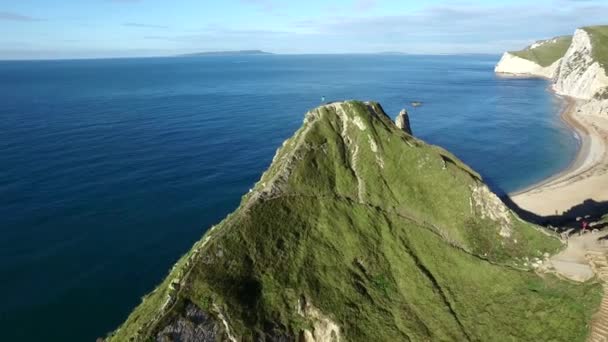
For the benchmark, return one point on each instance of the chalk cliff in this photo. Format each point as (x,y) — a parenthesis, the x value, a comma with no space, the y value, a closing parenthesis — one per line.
(403,122)
(541,59)
(579,71)
(580,74)
(517,66)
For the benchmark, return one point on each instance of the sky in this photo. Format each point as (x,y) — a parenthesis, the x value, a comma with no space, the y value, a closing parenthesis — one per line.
(35,29)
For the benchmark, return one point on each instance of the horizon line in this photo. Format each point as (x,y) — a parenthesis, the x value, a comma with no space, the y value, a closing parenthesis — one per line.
(229,53)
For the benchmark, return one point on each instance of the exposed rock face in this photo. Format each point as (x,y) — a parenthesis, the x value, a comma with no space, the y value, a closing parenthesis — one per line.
(323,328)
(487,204)
(579,75)
(192,326)
(403,122)
(594,107)
(517,66)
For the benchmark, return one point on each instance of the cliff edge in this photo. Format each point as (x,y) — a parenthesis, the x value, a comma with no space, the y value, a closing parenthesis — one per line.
(576,65)
(581,74)
(541,59)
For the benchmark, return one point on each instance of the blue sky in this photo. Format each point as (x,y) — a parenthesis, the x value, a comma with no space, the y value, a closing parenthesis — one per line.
(112,28)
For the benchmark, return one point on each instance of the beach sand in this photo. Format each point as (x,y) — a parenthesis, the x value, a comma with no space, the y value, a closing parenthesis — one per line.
(586,179)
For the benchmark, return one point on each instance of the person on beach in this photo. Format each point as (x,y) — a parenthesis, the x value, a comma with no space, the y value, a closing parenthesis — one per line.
(584,226)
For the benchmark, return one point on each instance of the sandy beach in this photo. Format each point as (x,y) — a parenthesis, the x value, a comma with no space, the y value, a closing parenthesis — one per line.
(584,181)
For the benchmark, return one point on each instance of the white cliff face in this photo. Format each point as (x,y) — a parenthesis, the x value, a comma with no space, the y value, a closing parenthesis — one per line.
(517,66)
(488,205)
(579,75)
(594,107)
(403,122)
(576,75)
(323,328)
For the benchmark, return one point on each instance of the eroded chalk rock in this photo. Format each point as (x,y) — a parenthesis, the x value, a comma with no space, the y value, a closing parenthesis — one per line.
(403,122)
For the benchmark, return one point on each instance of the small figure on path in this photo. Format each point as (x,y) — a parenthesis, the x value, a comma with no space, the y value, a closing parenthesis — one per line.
(584,226)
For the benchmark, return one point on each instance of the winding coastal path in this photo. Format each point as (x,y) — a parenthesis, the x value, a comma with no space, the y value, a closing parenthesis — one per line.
(584,258)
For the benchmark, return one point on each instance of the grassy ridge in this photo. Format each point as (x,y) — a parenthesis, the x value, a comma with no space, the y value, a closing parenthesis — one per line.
(390,238)
(599,40)
(548,53)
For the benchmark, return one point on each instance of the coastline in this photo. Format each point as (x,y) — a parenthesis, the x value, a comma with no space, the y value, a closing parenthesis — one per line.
(581,154)
(513,75)
(570,191)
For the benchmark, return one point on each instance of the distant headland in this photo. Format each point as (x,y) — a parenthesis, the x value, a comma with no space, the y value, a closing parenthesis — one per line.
(227,53)
(577,67)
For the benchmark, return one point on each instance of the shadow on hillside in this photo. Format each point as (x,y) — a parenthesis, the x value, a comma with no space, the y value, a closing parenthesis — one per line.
(595,210)
(601,226)
(603,238)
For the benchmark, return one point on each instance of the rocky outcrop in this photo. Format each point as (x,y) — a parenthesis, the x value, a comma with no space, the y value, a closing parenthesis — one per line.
(487,204)
(579,74)
(582,77)
(191,326)
(323,328)
(403,122)
(594,107)
(512,65)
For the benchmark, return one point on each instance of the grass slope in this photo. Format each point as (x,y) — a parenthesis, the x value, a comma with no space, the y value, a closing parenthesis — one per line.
(547,53)
(390,238)
(599,40)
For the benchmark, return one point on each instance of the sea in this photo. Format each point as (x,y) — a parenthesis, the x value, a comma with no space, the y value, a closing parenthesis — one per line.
(111,169)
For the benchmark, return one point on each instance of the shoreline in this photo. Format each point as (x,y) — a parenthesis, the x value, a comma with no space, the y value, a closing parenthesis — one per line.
(566,115)
(583,185)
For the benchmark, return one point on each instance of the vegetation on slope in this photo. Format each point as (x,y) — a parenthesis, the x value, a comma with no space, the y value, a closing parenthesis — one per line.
(545,53)
(599,41)
(360,226)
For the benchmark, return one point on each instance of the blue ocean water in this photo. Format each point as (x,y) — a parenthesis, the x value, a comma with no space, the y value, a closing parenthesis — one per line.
(111,169)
